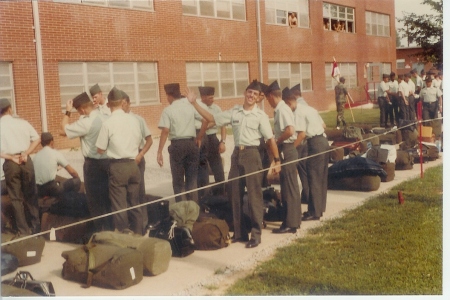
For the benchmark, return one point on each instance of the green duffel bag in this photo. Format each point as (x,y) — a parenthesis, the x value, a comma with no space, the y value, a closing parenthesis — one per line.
(156,252)
(103,266)
(28,251)
(404,160)
(364,183)
(210,234)
(389,168)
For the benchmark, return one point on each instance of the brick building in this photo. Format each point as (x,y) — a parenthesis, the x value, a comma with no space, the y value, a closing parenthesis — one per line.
(53,50)
(407,60)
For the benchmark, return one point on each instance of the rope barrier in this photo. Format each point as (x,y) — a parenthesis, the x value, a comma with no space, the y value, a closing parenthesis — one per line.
(418,122)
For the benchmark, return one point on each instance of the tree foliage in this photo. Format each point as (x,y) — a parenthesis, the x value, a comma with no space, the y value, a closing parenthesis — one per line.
(426,31)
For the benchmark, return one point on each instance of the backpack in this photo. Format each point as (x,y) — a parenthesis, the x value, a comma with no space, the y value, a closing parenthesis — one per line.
(352,132)
(103,266)
(210,234)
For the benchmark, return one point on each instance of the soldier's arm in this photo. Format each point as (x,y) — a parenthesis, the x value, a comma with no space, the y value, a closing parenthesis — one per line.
(72,171)
(162,142)
(301,135)
(147,145)
(274,150)
(65,119)
(287,133)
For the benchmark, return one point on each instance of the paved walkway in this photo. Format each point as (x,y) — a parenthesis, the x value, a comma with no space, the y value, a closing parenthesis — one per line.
(188,276)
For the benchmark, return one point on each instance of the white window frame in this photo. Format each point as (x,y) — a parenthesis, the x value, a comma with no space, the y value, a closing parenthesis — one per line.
(75,82)
(131,4)
(7,83)
(348,70)
(378,24)
(193,8)
(204,73)
(400,63)
(277,12)
(283,73)
(333,13)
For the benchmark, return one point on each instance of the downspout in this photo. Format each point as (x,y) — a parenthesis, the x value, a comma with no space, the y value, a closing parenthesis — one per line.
(39,64)
(258,29)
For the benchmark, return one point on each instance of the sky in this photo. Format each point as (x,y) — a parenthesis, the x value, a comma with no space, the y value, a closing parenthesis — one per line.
(410,6)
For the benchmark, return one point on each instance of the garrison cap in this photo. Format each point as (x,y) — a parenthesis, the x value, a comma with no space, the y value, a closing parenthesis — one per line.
(46,137)
(125,95)
(296,87)
(392,74)
(115,94)
(254,85)
(286,94)
(385,75)
(206,90)
(428,79)
(4,103)
(80,100)
(172,89)
(95,89)
(264,87)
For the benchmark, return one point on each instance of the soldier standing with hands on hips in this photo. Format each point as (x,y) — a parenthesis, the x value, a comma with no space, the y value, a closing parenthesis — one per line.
(249,123)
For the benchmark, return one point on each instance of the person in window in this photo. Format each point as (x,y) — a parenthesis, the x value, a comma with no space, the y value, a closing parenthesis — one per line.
(292,19)
(326,25)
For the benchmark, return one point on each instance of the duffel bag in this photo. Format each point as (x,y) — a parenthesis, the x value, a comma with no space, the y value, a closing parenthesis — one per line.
(210,234)
(404,161)
(389,168)
(364,183)
(352,132)
(103,266)
(27,251)
(76,234)
(10,263)
(156,253)
(180,238)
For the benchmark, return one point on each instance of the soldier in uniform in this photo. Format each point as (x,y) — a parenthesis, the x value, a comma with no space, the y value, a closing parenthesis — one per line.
(177,124)
(341,95)
(384,101)
(18,140)
(431,98)
(46,163)
(393,95)
(249,123)
(145,145)
(99,100)
(284,129)
(96,166)
(211,147)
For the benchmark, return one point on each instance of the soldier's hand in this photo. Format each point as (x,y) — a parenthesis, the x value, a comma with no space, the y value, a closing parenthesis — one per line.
(17,159)
(222,147)
(138,159)
(159,159)
(276,168)
(23,158)
(69,105)
(191,95)
(198,142)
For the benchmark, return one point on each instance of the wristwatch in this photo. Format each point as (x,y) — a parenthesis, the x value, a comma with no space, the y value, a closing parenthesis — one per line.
(276,159)
(68,113)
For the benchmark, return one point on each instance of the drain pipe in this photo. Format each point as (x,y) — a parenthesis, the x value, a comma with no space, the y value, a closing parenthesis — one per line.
(39,64)
(258,29)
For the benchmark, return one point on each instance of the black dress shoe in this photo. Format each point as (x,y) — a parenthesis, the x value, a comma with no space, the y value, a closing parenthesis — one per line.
(310,218)
(252,244)
(285,230)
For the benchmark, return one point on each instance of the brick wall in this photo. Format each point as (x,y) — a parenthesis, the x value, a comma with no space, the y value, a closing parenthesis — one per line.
(81,32)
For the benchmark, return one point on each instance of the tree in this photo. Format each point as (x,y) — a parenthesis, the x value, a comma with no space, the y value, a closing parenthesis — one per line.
(426,31)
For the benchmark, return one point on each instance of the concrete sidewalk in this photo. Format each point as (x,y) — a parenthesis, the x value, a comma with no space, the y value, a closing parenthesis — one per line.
(189,275)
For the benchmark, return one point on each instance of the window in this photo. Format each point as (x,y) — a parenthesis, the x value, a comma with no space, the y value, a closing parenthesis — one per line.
(135,4)
(223,9)
(137,79)
(375,71)
(377,24)
(7,83)
(229,79)
(338,18)
(347,70)
(400,63)
(281,12)
(290,74)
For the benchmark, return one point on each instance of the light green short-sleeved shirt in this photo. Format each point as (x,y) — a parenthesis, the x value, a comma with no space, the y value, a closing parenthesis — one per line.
(46,164)
(307,119)
(145,131)
(87,129)
(430,94)
(248,126)
(283,118)
(212,109)
(16,134)
(120,136)
(179,118)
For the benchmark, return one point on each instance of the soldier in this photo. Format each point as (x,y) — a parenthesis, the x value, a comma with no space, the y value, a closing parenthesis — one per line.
(249,123)
(384,101)
(96,166)
(145,145)
(431,98)
(18,140)
(285,136)
(46,163)
(99,100)
(121,144)
(393,95)
(211,147)
(341,95)
(177,124)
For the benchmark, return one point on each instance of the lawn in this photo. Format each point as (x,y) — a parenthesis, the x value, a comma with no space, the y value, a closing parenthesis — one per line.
(379,248)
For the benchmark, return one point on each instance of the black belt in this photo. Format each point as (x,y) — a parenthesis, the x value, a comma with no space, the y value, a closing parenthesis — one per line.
(182,140)
(245,147)
(315,136)
(429,103)
(121,160)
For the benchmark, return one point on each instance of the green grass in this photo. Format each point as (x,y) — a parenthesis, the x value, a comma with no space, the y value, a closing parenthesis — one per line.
(379,248)
(362,116)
